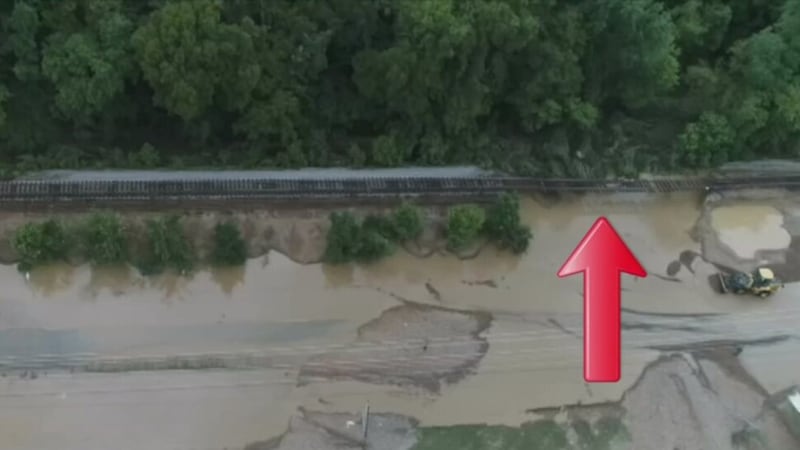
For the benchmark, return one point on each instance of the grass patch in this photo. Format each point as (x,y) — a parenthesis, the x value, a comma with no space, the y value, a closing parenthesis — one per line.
(40,243)
(229,246)
(605,434)
(540,435)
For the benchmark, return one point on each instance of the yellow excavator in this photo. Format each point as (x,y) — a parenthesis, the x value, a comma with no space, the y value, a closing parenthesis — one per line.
(762,282)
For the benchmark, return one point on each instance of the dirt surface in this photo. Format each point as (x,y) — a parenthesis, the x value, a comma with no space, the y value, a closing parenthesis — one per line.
(435,345)
(695,404)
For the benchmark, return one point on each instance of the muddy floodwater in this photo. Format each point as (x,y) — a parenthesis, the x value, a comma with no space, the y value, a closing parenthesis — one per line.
(747,228)
(106,358)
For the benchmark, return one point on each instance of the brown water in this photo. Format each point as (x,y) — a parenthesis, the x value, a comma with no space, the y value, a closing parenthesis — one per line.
(275,303)
(748,228)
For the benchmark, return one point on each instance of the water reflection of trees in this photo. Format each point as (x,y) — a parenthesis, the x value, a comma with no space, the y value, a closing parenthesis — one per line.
(338,275)
(227,278)
(115,279)
(406,268)
(52,278)
(171,284)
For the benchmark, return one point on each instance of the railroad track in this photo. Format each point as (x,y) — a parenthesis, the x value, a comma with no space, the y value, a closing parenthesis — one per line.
(49,192)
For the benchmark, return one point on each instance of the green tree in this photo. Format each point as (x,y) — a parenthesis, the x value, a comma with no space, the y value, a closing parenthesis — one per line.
(707,142)
(634,56)
(464,225)
(88,56)
(191,58)
(536,87)
(103,239)
(229,247)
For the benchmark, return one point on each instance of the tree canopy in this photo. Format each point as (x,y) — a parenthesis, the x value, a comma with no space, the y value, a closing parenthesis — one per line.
(538,87)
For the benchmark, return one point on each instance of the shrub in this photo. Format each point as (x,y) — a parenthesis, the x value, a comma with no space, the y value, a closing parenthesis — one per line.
(350,241)
(229,247)
(504,227)
(464,225)
(372,246)
(342,238)
(169,248)
(381,225)
(103,239)
(40,243)
(407,222)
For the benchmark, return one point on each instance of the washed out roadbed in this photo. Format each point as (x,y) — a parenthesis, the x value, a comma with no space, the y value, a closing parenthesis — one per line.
(435,345)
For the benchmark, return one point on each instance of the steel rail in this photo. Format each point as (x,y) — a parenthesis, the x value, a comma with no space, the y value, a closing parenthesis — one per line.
(55,192)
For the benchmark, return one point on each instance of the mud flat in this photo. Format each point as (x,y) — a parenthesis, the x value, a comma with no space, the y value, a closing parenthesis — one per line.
(436,345)
(694,402)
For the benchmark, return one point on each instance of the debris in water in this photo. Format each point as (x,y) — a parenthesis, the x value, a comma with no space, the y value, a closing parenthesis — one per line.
(432,290)
(687,258)
(487,283)
(673,268)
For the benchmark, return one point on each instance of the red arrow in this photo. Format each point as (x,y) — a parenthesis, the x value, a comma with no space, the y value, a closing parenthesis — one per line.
(602,255)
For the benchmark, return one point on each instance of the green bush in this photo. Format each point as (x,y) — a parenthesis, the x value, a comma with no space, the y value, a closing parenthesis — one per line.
(464,225)
(229,247)
(40,243)
(103,239)
(408,222)
(372,246)
(381,225)
(342,238)
(168,246)
(350,241)
(504,227)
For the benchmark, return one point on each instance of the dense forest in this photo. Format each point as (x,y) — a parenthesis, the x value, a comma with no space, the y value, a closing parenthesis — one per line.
(541,87)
